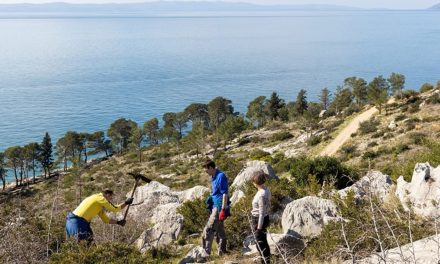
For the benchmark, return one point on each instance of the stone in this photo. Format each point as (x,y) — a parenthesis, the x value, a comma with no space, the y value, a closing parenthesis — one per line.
(377,183)
(425,251)
(423,192)
(192,194)
(245,174)
(307,216)
(195,255)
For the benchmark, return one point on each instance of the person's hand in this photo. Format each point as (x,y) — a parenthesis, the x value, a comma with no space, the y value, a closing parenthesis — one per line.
(121,222)
(128,201)
(222,215)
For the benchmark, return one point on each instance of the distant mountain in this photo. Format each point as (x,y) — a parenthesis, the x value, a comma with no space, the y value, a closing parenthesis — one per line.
(159,7)
(435,7)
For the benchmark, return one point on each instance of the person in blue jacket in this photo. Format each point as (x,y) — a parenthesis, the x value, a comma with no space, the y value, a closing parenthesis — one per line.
(219,209)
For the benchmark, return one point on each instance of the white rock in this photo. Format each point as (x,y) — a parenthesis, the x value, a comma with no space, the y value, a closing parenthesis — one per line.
(425,251)
(392,125)
(196,255)
(375,182)
(423,192)
(245,174)
(192,194)
(236,196)
(286,243)
(307,216)
(322,113)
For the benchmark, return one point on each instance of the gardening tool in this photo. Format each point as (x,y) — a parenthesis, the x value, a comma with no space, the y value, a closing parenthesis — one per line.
(137,177)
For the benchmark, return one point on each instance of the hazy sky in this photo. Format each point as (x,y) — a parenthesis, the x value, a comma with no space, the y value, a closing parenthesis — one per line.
(397,4)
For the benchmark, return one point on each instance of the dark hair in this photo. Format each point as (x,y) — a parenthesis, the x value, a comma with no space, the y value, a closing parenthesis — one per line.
(259,177)
(107,192)
(209,164)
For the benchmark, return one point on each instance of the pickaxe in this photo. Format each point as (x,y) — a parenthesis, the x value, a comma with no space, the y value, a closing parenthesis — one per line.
(137,177)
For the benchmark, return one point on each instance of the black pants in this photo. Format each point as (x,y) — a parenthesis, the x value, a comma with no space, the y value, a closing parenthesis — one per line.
(261,237)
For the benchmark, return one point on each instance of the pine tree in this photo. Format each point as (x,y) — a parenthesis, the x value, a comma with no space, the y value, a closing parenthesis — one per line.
(301,102)
(378,92)
(45,154)
(397,82)
(325,98)
(274,104)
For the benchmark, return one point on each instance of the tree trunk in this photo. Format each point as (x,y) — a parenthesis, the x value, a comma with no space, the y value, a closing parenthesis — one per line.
(33,170)
(16,176)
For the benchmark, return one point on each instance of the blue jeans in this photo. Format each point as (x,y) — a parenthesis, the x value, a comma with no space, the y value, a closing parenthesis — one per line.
(79,228)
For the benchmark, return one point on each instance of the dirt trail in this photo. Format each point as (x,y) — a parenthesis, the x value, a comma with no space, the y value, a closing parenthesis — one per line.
(345,134)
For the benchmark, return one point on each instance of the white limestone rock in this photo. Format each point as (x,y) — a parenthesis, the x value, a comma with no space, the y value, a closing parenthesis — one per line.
(307,216)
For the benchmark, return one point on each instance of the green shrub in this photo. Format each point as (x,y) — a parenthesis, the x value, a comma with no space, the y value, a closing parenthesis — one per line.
(378,134)
(244,141)
(258,154)
(433,99)
(314,140)
(327,169)
(400,117)
(400,148)
(349,150)
(418,138)
(368,126)
(281,136)
(195,215)
(231,166)
(426,87)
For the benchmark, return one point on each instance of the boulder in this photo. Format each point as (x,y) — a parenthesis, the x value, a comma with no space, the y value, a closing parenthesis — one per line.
(196,255)
(425,251)
(192,194)
(422,194)
(307,216)
(155,205)
(236,196)
(245,174)
(285,243)
(392,125)
(377,183)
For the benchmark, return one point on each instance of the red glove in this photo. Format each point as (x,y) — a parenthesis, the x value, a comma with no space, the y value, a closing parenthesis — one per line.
(222,215)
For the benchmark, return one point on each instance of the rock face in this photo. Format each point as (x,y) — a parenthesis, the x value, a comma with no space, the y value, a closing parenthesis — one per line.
(423,192)
(245,174)
(286,243)
(196,255)
(375,182)
(425,251)
(305,217)
(156,205)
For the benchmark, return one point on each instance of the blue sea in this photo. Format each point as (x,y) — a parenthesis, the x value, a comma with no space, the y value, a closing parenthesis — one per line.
(81,73)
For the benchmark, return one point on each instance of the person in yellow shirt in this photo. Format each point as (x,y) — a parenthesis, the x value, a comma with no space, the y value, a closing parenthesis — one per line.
(78,221)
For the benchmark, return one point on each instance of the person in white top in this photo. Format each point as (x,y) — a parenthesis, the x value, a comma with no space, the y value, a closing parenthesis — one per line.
(260,215)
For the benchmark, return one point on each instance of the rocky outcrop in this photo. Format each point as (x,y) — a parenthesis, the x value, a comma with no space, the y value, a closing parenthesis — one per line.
(422,194)
(245,174)
(375,182)
(285,244)
(424,251)
(196,255)
(307,216)
(155,205)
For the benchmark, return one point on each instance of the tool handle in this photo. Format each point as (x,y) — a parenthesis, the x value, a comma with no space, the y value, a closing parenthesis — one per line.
(132,194)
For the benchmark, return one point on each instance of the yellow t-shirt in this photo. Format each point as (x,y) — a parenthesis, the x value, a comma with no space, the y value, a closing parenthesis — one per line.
(94,205)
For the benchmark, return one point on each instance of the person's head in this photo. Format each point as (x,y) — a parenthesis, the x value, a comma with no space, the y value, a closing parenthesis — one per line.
(209,167)
(259,178)
(108,194)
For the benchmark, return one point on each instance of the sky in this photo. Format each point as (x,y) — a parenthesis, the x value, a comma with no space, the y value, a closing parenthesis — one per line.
(395,4)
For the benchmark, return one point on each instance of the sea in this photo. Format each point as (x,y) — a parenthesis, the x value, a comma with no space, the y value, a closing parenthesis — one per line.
(61,73)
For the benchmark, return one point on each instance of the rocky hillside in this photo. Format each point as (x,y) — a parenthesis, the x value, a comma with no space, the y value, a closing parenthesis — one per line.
(378,194)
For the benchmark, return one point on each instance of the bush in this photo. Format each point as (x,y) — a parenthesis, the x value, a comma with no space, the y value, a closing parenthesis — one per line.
(349,150)
(258,154)
(195,215)
(244,141)
(314,140)
(400,148)
(400,117)
(369,126)
(426,87)
(433,99)
(229,165)
(418,138)
(409,93)
(281,136)
(326,169)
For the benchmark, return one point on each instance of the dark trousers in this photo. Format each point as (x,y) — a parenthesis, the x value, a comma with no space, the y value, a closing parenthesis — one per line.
(261,239)
(78,228)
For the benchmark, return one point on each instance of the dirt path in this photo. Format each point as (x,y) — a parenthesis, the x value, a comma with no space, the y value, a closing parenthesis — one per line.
(345,134)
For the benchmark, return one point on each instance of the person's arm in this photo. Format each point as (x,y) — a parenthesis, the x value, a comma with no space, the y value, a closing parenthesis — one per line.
(260,212)
(110,207)
(104,217)
(224,201)
(224,191)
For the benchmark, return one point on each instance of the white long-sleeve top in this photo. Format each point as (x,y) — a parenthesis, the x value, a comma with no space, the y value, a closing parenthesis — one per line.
(261,205)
